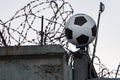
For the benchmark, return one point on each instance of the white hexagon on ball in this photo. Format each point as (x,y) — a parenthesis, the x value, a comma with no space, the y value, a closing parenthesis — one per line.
(80,29)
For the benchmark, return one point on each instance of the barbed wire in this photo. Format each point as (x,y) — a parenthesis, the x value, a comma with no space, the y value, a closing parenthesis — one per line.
(103,71)
(24,28)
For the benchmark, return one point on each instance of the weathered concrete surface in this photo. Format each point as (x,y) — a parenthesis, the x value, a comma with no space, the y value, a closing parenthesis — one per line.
(34,69)
(34,63)
(28,50)
(105,79)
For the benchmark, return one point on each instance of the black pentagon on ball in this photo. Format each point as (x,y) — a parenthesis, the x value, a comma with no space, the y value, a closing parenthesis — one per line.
(80,20)
(68,33)
(94,30)
(82,39)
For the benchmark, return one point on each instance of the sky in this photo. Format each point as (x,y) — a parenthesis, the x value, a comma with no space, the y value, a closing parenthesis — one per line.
(108,47)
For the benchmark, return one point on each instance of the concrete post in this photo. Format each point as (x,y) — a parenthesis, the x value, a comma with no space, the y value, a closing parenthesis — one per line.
(83,68)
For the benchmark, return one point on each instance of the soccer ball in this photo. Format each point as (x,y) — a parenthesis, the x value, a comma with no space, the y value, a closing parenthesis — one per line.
(80,29)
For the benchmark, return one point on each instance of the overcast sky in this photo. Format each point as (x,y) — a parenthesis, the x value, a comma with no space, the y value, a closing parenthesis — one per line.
(108,48)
